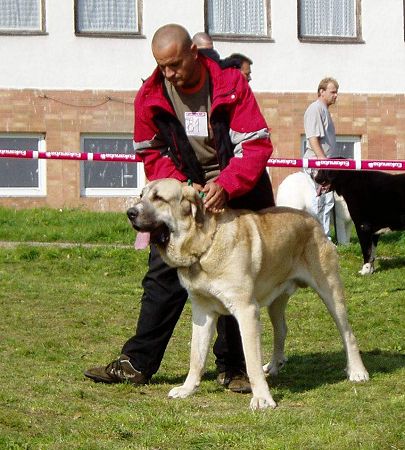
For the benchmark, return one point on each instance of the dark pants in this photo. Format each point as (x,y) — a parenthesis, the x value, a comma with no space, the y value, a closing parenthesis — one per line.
(163,301)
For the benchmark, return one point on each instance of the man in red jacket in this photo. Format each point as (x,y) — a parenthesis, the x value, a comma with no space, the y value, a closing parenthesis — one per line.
(198,123)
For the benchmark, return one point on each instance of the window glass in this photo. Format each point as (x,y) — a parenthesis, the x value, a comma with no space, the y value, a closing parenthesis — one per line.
(21,176)
(237,17)
(349,146)
(328,18)
(110,177)
(106,16)
(21,15)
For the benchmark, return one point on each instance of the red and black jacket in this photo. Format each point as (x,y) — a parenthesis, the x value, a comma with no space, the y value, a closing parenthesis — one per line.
(241,137)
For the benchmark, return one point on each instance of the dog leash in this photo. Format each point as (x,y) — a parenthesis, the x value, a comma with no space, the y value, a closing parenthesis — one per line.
(200,194)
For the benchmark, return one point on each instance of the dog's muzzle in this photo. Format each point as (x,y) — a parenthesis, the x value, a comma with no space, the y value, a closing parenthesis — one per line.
(132,214)
(159,232)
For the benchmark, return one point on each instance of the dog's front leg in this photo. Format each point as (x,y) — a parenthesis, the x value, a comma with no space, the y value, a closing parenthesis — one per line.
(249,325)
(203,330)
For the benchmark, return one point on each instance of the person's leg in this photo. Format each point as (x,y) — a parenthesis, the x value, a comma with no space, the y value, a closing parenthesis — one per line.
(230,360)
(228,345)
(328,204)
(163,301)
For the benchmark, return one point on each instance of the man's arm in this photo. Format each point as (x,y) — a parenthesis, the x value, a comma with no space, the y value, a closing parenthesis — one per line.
(250,135)
(150,149)
(315,144)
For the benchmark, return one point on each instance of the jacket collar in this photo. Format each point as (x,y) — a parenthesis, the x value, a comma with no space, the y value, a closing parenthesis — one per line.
(222,89)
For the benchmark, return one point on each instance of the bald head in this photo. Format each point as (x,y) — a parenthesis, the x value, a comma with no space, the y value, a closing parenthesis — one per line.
(171,34)
(176,56)
(203,40)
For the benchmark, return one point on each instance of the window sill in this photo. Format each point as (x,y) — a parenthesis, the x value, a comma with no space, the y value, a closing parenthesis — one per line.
(241,38)
(110,35)
(23,33)
(330,40)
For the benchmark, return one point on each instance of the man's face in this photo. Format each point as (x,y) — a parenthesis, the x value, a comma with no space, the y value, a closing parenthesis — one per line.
(246,71)
(178,65)
(329,95)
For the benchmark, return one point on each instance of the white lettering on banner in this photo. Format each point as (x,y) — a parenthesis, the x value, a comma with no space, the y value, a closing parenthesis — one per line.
(288,162)
(328,163)
(13,152)
(385,164)
(196,123)
(105,156)
(62,155)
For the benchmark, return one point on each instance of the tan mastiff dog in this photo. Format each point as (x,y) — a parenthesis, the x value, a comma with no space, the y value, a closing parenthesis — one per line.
(236,262)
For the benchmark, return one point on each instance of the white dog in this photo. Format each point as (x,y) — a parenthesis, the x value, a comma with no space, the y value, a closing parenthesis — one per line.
(298,191)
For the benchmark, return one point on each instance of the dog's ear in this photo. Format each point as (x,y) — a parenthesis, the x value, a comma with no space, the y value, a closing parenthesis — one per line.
(193,204)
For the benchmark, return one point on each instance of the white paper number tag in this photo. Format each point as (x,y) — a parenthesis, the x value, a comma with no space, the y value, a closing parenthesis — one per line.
(196,123)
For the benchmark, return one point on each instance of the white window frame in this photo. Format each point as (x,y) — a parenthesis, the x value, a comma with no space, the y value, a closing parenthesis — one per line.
(231,35)
(40,190)
(16,30)
(110,192)
(356,140)
(357,38)
(137,32)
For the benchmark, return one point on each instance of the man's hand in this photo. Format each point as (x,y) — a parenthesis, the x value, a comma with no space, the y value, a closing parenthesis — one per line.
(215,197)
(196,186)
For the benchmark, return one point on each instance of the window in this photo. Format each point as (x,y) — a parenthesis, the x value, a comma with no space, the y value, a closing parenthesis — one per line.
(249,19)
(22,17)
(329,21)
(349,146)
(113,178)
(108,17)
(22,177)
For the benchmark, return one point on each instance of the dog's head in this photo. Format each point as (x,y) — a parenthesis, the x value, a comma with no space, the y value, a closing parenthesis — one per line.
(327,179)
(166,207)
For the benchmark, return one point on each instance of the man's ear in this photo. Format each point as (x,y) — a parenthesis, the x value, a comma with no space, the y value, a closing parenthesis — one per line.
(194,50)
(195,205)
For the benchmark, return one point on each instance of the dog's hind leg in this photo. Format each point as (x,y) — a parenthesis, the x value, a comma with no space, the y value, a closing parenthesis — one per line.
(329,287)
(249,326)
(203,329)
(276,312)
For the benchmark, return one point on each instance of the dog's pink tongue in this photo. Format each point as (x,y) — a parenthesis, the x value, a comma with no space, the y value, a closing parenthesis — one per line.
(142,240)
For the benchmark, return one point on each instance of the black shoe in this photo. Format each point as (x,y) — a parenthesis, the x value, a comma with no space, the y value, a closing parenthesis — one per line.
(235,381)
(119,371)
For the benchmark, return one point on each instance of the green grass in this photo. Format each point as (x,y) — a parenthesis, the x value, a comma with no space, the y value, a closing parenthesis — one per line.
(66,309)
(63,225)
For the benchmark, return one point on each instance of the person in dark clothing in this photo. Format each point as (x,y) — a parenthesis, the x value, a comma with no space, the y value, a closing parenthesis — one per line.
(200,124)
(244,63)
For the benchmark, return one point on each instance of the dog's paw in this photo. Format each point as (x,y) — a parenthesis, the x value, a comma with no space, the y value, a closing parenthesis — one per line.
(262,403)
(367,269)
(180,392)
(273,368)
(357,376)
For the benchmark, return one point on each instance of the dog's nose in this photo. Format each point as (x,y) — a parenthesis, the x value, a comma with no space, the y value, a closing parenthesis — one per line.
(132,213)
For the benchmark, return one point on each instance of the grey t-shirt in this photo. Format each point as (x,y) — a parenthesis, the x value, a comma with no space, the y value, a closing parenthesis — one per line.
(202,145)
(318,123)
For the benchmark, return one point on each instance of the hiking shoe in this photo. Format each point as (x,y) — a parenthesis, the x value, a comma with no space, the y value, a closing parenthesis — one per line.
(119,371)
(235,381)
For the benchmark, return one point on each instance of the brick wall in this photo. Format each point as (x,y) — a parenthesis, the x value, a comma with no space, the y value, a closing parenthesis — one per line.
(62,116)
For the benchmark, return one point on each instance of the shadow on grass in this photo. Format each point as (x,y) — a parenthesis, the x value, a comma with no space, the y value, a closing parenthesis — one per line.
(308,371)
(390,263)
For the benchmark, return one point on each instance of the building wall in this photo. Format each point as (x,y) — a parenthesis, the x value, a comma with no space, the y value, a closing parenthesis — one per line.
(62,60)
(80,72)
(63,115)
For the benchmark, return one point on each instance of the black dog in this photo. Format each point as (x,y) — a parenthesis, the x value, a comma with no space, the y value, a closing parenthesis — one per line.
(376,202)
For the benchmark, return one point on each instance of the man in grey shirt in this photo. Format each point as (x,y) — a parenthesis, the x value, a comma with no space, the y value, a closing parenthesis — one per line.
(321,141)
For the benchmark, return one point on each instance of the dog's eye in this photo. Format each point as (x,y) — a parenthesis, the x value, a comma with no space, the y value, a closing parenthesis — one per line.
(157,197)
